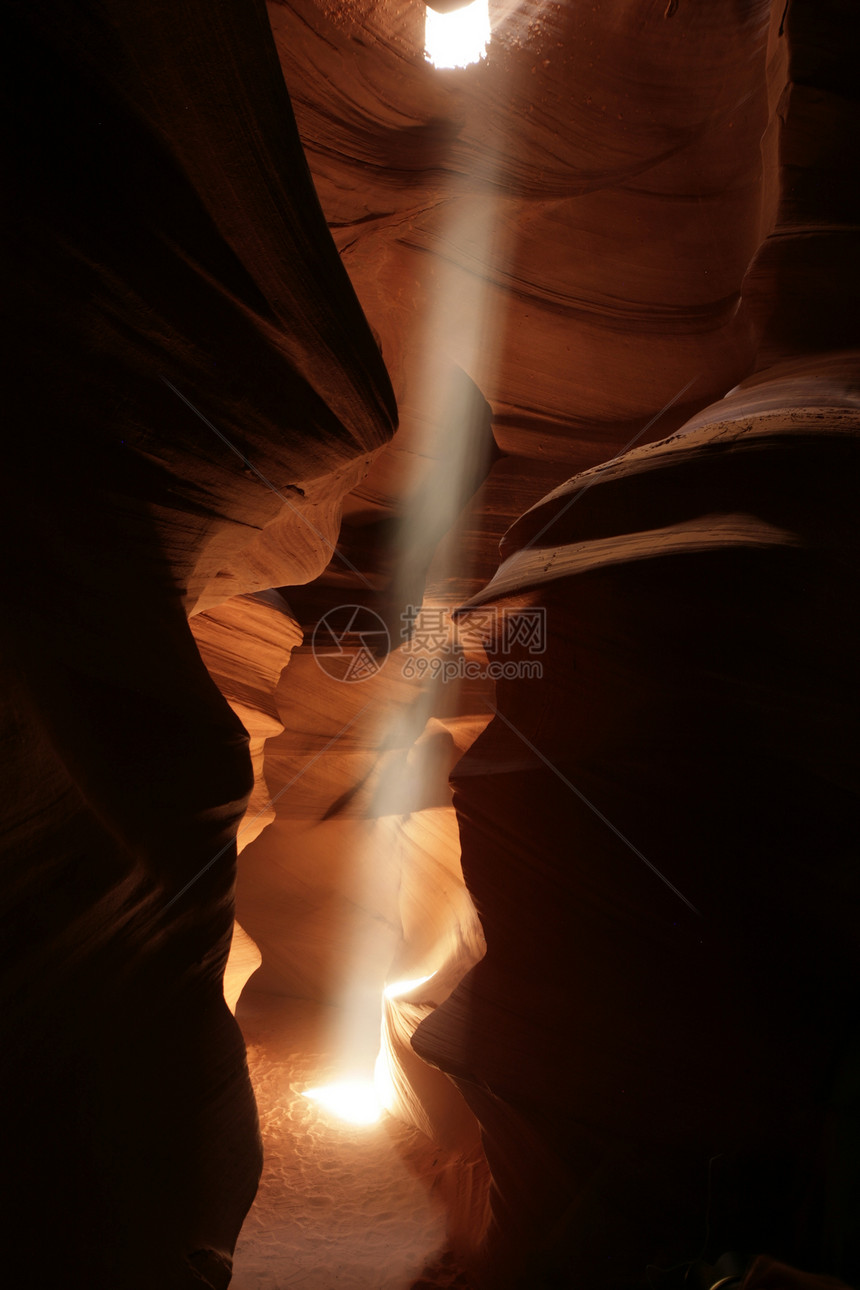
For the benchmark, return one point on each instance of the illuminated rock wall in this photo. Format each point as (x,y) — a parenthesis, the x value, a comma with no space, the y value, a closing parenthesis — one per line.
(626,211)
(664,1066)
(621,208)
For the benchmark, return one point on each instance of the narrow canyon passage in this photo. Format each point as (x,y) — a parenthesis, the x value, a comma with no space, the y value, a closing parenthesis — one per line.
(429,646)
(363,1207)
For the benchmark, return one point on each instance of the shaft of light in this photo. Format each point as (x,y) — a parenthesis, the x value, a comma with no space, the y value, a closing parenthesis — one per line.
(456,354)
(457,39)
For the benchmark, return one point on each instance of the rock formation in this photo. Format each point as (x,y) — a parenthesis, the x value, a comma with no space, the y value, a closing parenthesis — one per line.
(594,299)
(177,302)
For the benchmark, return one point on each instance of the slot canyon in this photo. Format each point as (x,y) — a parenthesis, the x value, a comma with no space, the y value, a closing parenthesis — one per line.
(430,635)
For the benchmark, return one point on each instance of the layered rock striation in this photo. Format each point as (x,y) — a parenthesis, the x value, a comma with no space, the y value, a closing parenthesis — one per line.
(610,277)
(191,371)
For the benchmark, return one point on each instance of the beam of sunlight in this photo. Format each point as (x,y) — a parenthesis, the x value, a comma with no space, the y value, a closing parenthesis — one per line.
(456,354)
(398,988)
(461,344)
(457,39)
(353,1100)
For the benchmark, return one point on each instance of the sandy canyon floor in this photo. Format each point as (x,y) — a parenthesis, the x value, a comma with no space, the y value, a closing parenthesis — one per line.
(339,1205)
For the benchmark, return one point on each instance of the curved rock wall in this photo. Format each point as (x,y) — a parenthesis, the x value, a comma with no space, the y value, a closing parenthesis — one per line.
(661,1053)
(190,368)
(625,211)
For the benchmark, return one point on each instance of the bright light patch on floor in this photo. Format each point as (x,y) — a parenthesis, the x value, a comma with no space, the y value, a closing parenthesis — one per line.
(353,1100)
(459,38)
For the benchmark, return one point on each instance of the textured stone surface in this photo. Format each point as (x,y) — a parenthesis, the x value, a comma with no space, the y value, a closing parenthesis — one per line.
(679,808)
(624,245)
(167,251)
